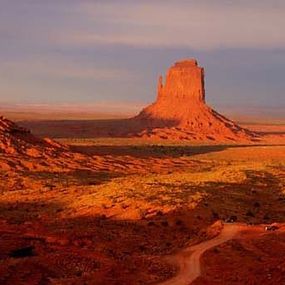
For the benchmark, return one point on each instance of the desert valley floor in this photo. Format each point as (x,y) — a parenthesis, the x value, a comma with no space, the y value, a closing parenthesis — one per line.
(130,211)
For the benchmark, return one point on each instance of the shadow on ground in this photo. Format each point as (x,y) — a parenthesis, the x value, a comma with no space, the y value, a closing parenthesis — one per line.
(147,151)
(155,151)
(83,177)
(92,128)
(113,251)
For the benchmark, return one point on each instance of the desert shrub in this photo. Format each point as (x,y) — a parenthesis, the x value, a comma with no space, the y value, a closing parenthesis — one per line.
(151,223)
(266,217)
(215,215)
(249,213)
(23,252)
(142,213)
(233,218)
(179,222)
(159,213)
(256,204)
(165,223)
(142,248)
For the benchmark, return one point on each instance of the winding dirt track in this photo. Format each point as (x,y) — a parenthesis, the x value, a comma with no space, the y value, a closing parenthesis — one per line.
(189,259)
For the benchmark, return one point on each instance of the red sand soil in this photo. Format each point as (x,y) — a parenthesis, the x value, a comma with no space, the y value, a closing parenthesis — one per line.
(112,214)
(252,257)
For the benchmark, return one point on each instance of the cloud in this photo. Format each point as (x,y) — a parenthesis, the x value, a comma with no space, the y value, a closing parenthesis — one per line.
(62,69)
(91,43)
(203,24)
(108,107)
(192,24)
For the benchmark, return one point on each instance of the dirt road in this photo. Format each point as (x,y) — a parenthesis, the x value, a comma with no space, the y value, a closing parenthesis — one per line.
(189,259)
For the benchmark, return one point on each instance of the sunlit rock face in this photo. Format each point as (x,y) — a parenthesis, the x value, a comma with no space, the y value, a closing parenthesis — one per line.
(181,104)
(182,93)
(184,85)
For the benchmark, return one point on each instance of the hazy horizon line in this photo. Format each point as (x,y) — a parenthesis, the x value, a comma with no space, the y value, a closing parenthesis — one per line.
(107,110)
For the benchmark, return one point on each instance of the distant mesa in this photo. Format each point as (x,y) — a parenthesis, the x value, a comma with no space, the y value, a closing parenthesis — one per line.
(180,111)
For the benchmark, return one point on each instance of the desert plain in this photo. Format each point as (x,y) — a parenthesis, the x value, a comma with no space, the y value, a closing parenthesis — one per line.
(171,204)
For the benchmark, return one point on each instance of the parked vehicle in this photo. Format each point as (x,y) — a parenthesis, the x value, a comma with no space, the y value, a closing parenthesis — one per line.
(271,228)
(231,219)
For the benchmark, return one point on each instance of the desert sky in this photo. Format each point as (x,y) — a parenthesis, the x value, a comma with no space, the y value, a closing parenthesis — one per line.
(111,52)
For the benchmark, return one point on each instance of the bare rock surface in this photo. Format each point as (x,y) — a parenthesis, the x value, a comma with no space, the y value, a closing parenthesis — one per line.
(181,112)
(18,140)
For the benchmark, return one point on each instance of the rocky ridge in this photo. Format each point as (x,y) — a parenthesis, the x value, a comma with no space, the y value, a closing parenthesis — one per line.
(17,140)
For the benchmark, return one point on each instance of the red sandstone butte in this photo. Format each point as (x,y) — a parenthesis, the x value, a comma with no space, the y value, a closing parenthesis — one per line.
(181,112)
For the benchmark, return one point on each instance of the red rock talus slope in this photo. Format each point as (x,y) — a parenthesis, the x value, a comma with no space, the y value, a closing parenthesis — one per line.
(180,111)
(21,151)
(17,140)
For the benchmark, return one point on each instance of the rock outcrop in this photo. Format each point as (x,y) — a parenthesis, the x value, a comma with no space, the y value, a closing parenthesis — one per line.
(18,140)
(180,111)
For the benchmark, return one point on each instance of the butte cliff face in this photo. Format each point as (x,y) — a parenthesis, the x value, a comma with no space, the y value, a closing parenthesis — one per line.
(180,111)
(182,93)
